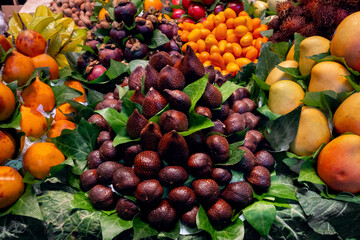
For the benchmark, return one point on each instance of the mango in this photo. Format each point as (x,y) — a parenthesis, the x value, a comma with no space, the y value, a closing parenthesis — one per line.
(276,74)
(346,117)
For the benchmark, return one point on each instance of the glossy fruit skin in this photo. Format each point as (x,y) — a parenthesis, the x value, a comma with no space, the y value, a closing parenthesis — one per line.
(276,74)
(196,11)
(7,102)
(345,43)
(157,4)
(219,8)
(313,130)
(17,67)
(4,43)
(346,118)
(338,163)
(40,157)
(63,109)
(236,5)
(58,126)
(8,146)
(177,13)
(44,60)
(77,86)
(11,186)
(38,93)
(208,2)
(32,123)
(30,43)
(125,12)
(186,3)
(96,72)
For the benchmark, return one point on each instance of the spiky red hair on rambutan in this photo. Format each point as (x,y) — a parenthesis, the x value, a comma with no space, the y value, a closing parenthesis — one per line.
(292,24)
(283,9)
(274,23)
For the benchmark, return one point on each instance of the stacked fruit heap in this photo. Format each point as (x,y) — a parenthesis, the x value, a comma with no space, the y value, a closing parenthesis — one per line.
(226,40)
(309,18)
(165,159)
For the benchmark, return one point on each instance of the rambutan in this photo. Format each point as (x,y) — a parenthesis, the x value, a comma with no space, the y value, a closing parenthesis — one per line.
(292,24)
(274,23)
(297,11)
(325,16)
(278,37)
(340,14)
(283,9)
(311,8)
(309,30)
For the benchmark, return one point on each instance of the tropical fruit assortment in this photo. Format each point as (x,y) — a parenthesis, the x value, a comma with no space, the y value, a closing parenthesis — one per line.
(171,123)
(166,153)
(227,40)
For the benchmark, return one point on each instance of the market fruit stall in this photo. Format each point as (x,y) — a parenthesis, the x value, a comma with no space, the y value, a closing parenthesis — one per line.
(181,120)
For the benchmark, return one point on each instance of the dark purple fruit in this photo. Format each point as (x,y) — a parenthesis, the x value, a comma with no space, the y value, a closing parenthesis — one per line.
(100,121)
(102,197)
(130,154)
(259,178)
(182,198)
(239,94)
(147,164)
(251,120)
(88,180)
(135,124)
(150,136)
(252,139)
(160,60)
(107,103)
(96,72)
(189,218)
(170,78)
(265,159)
(219,127)
(93,44)
(235,123)
(212,97)
(106,171)
(200,165)
(175,56)
(221,176)
(195,142)
(173,120)
(207,191)
(173,148)
(144,27)
(125,181)
(163,217)
(167,29)
(108,152)
(151,78)
(106,54)
(218,148)
(191,66)
(221,113)
(94,159)
(148,193)
(116,91)
(204,111)
(173,176)
(118,33)
(220,214)
(153,103)
(137,97)
(238,194)
(178,100)
(126,209)
(243,105)
(219,8)
(211,71)
(135,78)
(247,162)
(135,50)
(125,11)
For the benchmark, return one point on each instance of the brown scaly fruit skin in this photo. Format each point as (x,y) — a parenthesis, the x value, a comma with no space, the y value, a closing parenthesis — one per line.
(125,181)
(182,198)
(220,214)
(259,178)
(200,165)
(153,103)
(159,60)
(238,194)
(207,191)
(170,78)
(189,218)
(148,193)
(173,176)
(106,171)
(173,120)
(150,136)
(212,97)
(221,176)
(178,100)
(147,164)
(164,217)
(135,124)
(218,148)
(88,180)
(135,77)
(102,197)
(108,152)
(173,148)
(126,209)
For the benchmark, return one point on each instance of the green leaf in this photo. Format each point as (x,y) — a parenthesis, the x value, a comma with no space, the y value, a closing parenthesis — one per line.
(351,80)
(261,216)
(79,142)
(158,39)
(227,89)
(197,122)
(282,131)
(81,201)
(267,33)
(129,106)
(281,49)
(14,121)
(64,93)
(235,231)
(265,110)
(93,96)
(308,174)
(195,90)
(212,7)
(116,69)
(266,62)
(236,155)
(262,84)
(137,62)
(323,57)
(142,229)
(64,222)
(297,40)
(4,54)
(83,111)
(294,72)
(173,234)
(27,205)
(282,187)
(112,225)
(72,58)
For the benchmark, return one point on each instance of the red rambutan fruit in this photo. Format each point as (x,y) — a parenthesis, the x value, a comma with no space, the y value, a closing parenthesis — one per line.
(283,9)
(309,30)
(325,16)
(274,23)
(311,8)
(340,14)
(292,24)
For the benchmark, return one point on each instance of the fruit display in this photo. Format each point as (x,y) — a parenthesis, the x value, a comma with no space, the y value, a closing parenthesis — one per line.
(309,18)
(226,40)
(166,154)
(140,126)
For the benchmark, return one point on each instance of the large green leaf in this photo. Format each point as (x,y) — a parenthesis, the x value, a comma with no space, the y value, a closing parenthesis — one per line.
(227,89)
(197,122)
(64,93)
(116,69)
(266,62)
(261,216)
(157,39)
(282,187)
(112,225)
(236,154)
(195,90)
(142,229)
(308,174)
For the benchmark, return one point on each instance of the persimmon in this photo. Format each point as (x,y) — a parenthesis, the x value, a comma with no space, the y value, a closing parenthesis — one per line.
(30,43)
(77,86)
(17,67)
(45,60)
(4,43)
(40,157)
(57,127)
(11,186)
(157,4)
(8,146)
(7,102)
(62,110)
(32,123)
(102,14)
(38,93)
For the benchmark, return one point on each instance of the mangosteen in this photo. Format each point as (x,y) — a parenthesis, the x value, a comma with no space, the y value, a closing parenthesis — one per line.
(134,49)
(125,11)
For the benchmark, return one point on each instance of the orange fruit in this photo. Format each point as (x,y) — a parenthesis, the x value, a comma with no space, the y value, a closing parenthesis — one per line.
(63,109)
(77,86)
(40,157)
(44,60)
(7,102)
(102,14)
(11,186)
(8,146)
(338,164)
(32,123)
(17,67)
(157,4)
(346,117)
(57,127)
